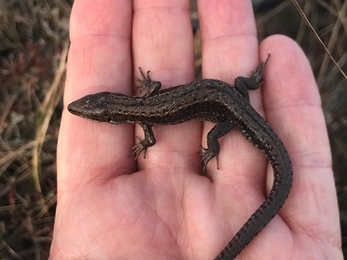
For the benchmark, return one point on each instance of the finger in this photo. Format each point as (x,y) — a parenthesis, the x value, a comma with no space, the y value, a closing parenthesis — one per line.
(230,49)
(163,44)
(229,38)
(99,60)
(293,107)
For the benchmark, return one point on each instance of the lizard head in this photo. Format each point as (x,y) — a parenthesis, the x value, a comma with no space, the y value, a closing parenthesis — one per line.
(92,106)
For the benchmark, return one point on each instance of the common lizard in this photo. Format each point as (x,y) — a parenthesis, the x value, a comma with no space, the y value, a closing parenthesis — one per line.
(208,100)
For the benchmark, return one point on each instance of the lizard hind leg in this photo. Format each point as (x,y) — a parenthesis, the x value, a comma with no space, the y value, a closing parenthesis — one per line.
(206,156)
(213,147)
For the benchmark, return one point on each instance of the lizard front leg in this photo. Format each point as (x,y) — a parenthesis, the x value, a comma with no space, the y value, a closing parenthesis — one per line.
(148,141)
(148,84)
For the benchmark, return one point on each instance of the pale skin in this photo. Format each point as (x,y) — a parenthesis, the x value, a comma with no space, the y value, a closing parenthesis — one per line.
(161,207)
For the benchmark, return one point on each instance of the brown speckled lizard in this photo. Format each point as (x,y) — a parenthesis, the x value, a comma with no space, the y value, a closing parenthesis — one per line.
(208,100)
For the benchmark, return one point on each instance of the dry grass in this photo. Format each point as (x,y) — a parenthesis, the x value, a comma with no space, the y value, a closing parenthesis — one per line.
(33,49)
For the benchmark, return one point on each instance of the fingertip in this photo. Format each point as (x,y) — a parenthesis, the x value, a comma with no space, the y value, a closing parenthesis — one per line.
(103,17)
(288,77)
(292,102)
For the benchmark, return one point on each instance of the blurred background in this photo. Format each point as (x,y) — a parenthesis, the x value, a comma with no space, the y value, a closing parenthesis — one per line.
(33,50)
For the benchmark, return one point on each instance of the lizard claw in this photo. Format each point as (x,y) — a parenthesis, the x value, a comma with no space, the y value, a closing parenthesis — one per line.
(206,157)
(152,87)
(138,149)
(257,74)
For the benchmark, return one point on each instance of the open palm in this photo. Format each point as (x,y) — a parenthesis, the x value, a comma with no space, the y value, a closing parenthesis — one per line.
(110,207)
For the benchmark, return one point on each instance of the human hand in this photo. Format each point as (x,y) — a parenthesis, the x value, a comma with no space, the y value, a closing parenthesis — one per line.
(110,207)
